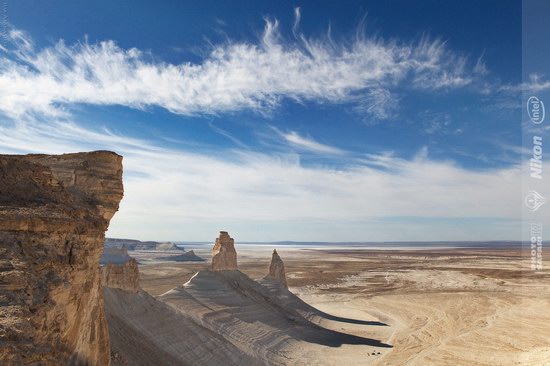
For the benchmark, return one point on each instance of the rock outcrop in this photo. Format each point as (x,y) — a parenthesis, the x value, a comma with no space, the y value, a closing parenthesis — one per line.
(167,246)
(144,331)
(277,269)
(189,256)
(54,211)
(124,276)
(224,256)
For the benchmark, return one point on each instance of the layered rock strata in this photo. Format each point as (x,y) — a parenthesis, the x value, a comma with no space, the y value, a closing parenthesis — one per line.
(145,331)
(224,256)
(262,319)
(54,211)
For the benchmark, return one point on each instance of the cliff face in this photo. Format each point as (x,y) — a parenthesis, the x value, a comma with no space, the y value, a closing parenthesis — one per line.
(224,256)
(277,268)
(124,276)
(54,211)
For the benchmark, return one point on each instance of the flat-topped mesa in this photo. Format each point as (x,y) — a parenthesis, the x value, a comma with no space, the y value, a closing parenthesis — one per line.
(168,245)
(115,255)
(224,256)
(54,211)
(124,276)
(133,244)
(277,269)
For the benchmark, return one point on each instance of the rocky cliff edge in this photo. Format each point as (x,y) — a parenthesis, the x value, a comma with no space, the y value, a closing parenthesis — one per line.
(54,211)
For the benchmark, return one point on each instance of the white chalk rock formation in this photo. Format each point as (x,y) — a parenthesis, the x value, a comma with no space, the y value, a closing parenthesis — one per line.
(124,276)
(224,256)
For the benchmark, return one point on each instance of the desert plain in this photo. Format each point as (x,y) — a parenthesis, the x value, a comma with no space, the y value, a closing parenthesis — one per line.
(478,305)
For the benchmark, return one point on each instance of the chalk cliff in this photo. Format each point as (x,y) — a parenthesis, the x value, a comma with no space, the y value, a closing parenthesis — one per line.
(124,276)
(54,211)
(224,256)
(277,269)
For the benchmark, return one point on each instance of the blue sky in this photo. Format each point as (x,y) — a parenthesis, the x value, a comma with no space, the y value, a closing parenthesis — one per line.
(320,120)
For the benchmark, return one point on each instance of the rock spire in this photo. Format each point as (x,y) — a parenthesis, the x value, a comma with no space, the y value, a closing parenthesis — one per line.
(277,268)
(224,256)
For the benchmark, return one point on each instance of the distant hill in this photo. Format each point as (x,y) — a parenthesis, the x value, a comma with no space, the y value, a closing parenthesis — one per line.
(132,244)
(189,256)
(115,255)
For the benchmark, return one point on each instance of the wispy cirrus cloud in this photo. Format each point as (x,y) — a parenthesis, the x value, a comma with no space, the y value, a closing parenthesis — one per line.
(186,195)
(435,122)
(536,83)
(378,103)
(308,143)
(233,76)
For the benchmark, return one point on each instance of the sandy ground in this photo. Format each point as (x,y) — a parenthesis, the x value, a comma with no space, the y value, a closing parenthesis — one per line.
(441,307)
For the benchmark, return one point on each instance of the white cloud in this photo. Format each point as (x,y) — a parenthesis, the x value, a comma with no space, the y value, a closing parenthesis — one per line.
(435,122)
(226,134)
(309,144)
(535,84)
(378,103)
(480,67)
(178,194)
(173,194)
(233,76)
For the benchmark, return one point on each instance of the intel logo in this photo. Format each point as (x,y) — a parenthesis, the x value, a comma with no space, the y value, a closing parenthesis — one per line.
(535,110)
